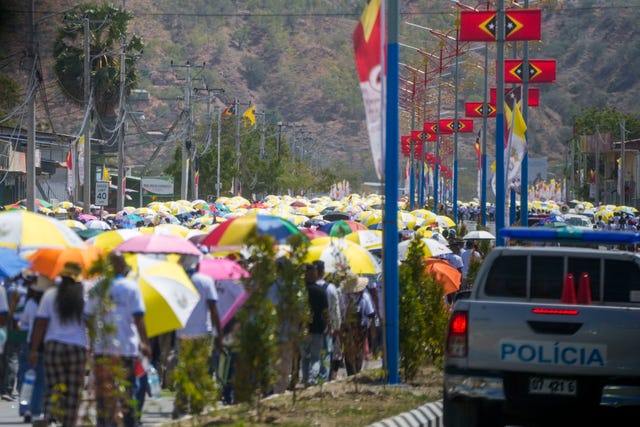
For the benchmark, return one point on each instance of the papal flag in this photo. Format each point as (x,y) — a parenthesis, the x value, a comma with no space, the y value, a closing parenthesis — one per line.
(367,48)
(516,147)
(249,116)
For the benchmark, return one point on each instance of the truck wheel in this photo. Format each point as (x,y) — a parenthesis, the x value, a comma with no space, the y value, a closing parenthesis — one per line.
(461,413)
(470,413)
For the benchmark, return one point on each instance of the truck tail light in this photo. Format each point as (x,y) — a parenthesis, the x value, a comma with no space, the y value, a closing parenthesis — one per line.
(457,334)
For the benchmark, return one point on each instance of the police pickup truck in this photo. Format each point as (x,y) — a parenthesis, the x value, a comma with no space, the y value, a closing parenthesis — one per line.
(550,334)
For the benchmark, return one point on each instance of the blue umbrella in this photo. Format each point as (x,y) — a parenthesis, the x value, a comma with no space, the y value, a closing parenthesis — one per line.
(11,264)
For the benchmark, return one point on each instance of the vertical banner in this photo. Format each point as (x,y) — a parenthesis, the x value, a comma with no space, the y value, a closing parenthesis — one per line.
(80,162)
(71,179)
(367,48)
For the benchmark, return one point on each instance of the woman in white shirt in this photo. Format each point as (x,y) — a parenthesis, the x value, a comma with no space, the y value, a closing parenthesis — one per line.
(60,325)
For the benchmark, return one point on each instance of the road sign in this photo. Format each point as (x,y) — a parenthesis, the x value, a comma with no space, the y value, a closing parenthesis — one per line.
(102,193)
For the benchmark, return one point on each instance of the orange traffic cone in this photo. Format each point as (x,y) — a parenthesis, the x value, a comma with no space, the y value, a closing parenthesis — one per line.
(569,290)
(584,289)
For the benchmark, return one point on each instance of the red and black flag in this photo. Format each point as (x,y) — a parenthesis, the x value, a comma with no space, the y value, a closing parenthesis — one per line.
(482,26)
(476,109)
(448,126)
(533,99)
(230,110)
(540,71)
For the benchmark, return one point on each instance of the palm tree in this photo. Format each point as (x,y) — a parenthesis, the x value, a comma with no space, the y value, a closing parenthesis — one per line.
(107,27)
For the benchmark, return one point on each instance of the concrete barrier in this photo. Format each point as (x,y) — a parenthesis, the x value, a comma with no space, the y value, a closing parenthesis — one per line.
(429,415)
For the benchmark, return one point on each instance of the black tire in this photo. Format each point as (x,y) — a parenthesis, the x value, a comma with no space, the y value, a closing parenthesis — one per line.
(463,412)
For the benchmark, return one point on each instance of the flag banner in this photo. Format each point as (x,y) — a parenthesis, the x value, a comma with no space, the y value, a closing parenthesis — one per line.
(477,26)
(516,148)
(80,158)
(448,126)
(249,116)
(540,70)
(431,128)
(481,25)
(523,24)
(230,110)
(533,100)
(476,109)
(367,50)
(71,179)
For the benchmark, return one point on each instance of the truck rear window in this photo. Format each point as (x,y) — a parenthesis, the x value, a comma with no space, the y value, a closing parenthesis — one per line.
(508,277)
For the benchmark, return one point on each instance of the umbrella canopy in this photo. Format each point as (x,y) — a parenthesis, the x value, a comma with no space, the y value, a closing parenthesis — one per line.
(222,268)
(96,224)
(87,217)
(27,231)
(158,244)
(444,273)
(233,233)
(50,261)
(478,235)
(74,224)
(313,233)
(338,253)
(108,240)
(432,248)
(443,221)
(368,239)
(11,264)
(168,294)
(87,233)
(231,296)
(342,227)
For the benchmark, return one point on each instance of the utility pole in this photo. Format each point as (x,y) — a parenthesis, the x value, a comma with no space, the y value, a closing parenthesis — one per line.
(219,114)
(31,119)
(122,177)
(86,189)
(280,124)
(186,147)
(262,135)
(194,159)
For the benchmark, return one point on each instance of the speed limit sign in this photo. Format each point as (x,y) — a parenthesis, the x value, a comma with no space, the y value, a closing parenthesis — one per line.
(102,193)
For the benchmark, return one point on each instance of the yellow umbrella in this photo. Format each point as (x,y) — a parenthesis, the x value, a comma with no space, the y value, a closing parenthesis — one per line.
(339,254)
(64,205)
(173,229)
(112,238)
(27,231)
(168,293)
(74,223)
(368,239)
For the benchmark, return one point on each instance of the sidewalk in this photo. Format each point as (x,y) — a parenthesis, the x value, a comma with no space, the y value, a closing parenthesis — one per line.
(155,412)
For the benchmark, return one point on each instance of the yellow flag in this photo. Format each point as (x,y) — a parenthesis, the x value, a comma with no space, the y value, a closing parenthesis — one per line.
(250,115)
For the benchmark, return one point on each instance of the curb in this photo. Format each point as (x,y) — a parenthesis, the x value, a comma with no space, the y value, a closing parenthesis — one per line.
(429,415)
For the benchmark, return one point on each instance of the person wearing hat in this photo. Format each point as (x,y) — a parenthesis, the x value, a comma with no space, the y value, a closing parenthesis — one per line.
(36,290)
(358,314)
(60,326)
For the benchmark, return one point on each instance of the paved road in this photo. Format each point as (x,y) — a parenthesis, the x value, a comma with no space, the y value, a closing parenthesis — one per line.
(156,412)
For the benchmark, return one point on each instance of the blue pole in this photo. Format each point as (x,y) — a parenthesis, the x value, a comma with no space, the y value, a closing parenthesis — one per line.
(390,222)
(500,184)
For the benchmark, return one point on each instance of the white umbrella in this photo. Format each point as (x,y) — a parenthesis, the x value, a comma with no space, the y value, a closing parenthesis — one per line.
(96,224)
(432,248)
(478,235)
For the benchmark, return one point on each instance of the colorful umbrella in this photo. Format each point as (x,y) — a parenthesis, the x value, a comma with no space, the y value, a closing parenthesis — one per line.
(27,231)
(342,227)
(50,261)
(11,264)
(108,240)
(96,224)
(158,244)
(234,232)
(169,296)
(340,254)
(478,235)
(74,224)
(222,268)
(444,273)
(432,248)
(313,233)
(368,239)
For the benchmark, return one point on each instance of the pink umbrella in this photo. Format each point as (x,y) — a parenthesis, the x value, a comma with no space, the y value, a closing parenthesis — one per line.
(87,217)
(312,233)
(158,244)
(222,268)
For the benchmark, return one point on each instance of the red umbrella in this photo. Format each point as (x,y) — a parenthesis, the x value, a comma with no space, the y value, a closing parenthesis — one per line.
(312,233)
(298,204)
(444,273)
(222,268)
(158,244)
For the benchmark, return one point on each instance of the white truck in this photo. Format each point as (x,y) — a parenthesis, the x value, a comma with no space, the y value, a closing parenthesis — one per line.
(549,334)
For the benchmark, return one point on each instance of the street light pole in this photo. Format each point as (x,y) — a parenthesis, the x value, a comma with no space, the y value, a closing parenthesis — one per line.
(86,194)
(31,129)
(219,111)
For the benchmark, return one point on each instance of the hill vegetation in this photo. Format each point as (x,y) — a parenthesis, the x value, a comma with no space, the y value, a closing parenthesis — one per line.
(293,60)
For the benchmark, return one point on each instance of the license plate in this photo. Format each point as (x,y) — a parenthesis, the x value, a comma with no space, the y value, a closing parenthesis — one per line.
(555,386)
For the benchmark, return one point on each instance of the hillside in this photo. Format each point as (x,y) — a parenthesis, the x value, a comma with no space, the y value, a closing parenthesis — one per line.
(294,61)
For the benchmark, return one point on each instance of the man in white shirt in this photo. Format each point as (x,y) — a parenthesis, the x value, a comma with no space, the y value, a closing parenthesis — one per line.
(203,324)
(122,312)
